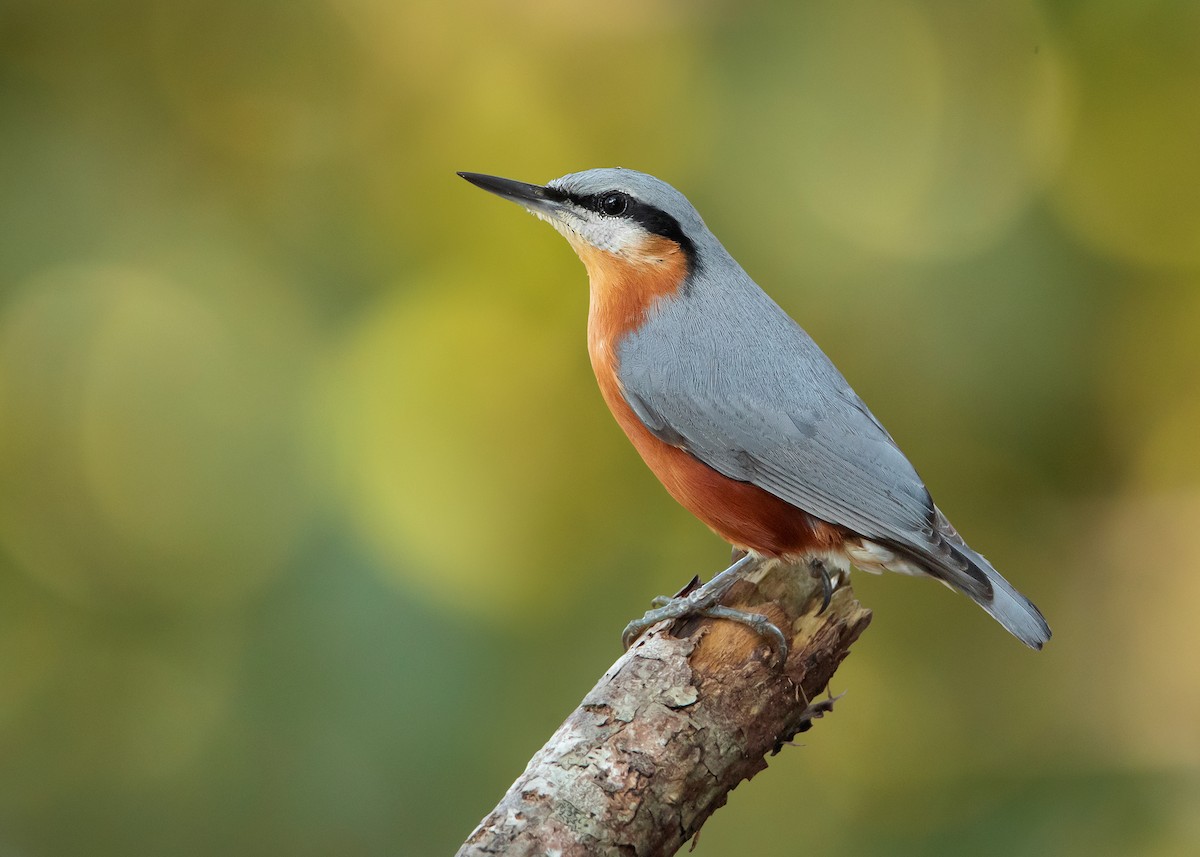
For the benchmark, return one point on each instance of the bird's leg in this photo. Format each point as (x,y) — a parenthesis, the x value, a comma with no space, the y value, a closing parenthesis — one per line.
(704,602)
(818,569)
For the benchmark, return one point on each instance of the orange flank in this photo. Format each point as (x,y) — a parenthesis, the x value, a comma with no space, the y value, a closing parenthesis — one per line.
(623,288)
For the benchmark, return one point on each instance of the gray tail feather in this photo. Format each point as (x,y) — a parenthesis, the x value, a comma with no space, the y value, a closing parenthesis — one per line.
(1007,606)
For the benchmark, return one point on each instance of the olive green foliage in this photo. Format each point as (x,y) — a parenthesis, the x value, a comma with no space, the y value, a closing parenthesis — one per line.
(313,525)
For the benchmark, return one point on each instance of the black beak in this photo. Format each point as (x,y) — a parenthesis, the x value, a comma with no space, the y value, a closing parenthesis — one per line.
(531,196)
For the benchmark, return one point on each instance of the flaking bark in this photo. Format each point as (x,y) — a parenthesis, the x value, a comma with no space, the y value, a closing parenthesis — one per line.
(691,710)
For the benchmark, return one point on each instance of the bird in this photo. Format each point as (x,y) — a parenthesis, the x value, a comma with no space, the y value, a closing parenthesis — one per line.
(739,413)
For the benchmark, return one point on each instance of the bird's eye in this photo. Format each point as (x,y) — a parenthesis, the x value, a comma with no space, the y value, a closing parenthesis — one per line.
(614,204)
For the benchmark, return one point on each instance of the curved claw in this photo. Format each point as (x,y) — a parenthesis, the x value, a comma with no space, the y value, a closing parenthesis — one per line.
(631,633)
(818,569)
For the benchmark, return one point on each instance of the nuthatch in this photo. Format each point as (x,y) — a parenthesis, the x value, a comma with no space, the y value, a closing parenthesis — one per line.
(741,416)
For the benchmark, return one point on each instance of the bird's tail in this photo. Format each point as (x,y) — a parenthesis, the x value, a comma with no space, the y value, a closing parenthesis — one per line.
(961,568)
(1007,606)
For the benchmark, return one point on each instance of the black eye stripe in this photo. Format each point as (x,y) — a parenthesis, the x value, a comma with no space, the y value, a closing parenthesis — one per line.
(652,219)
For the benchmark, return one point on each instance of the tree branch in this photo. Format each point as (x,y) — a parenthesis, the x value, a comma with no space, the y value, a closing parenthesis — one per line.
(675,724)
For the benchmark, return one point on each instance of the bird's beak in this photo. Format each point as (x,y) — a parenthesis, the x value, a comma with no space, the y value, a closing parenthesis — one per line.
(538,199)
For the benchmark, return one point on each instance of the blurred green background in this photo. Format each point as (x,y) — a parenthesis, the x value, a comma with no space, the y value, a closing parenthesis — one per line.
(313,525)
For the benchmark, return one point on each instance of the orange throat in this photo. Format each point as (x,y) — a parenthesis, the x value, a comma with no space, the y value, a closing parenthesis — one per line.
(625,286)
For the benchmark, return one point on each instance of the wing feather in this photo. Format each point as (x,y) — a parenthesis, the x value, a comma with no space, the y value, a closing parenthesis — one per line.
(769,408)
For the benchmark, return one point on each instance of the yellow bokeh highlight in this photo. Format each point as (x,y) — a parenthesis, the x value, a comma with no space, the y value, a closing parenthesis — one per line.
(291,106)
(1134,616)
(1152,401)
(141,458)
(1129,188)
(886,125)
(150,711)
(451,417)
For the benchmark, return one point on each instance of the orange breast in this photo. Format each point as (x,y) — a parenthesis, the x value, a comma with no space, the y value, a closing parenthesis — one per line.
(623,288)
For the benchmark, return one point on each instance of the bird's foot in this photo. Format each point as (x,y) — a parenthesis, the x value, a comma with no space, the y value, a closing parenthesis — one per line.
(704,604)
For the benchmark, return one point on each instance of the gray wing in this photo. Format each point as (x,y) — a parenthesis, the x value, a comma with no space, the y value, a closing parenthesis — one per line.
(766,406)
(837,464)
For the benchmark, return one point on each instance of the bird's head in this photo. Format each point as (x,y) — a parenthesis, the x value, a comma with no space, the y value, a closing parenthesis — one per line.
(611,216)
